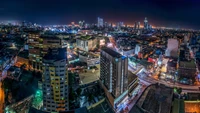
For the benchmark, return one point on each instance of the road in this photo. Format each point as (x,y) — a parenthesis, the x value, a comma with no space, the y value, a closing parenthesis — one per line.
(130,102)
(2,96)
(149,80)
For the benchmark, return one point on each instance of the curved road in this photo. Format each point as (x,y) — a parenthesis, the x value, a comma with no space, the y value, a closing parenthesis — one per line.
(149,80)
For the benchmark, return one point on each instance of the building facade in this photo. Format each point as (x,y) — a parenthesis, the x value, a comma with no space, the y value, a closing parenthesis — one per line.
(34,44)
(99,22)
(38,47)
(172,48)
(55,81)
(113,73)
(187,69)
(86,44)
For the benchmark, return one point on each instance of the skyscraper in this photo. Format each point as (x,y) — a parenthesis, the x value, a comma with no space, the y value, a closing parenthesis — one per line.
(172,48)
(113,73)
(135,25)
(35,59)
(146,23)
(120,24)
(99,22)
(138,25)
(55,81)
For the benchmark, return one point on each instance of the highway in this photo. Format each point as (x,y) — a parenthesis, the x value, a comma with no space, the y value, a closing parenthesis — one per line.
(2,96)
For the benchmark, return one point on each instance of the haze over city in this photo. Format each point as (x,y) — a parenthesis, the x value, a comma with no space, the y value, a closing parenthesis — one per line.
(168,13)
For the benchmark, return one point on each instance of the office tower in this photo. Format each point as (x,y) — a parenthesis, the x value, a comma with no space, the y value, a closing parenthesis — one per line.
(52,42)
(24,24)
(138,48)
(81,23)
(39,45)
(135,25)
(113,74)
(187,69)
(120,24)
(99,22)
(146,23)
(138,25)
(111,24)
(55,81)
(172,48)
(186,38)
(34,44)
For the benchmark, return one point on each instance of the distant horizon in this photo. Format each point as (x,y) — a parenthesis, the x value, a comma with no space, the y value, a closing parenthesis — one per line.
(76,22)
(169,13)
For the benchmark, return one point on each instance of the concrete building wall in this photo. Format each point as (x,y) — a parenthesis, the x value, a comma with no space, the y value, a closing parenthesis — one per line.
(172,48)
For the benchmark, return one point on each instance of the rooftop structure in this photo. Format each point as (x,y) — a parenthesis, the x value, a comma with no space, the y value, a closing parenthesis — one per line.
(156,98)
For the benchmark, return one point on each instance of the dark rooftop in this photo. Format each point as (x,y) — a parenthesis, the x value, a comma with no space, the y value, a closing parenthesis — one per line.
(33,110)
(23,54)
(131,77)
(111,52)
(172,63)
(56,54)
(49,37)
(103,107)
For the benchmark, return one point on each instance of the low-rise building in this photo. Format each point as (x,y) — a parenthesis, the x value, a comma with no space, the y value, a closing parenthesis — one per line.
(86,43)
(171,66)
(89,59)
(187,69)
(132,82)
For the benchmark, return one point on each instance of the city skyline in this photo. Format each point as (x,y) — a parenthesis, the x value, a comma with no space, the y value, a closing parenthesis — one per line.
(106,56)
(176,14)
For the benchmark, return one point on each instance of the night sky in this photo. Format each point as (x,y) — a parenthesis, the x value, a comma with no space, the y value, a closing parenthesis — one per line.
(169,13)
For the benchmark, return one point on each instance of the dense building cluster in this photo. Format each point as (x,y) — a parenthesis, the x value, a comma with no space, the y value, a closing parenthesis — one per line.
(110,67)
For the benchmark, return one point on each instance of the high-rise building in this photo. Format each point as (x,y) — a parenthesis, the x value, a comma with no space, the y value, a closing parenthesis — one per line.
(120,24)
(113,74)
(52,42)
(34,44)
(138,48)
(138,25)
(135,25)
(82,23)
(99,22)
(172,48)
(55,81)
(39,45)
(146,23)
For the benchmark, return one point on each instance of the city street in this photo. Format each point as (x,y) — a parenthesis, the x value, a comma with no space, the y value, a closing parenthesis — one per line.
(2,96)
(144,77)
(128,103)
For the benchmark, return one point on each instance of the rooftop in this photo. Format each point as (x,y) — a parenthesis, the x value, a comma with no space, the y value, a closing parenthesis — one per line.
(103,107)
(49,37)
(23,54)
(187,64)
(131,77)
(154,96)
(111,52)
(56,54)
(192,106)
